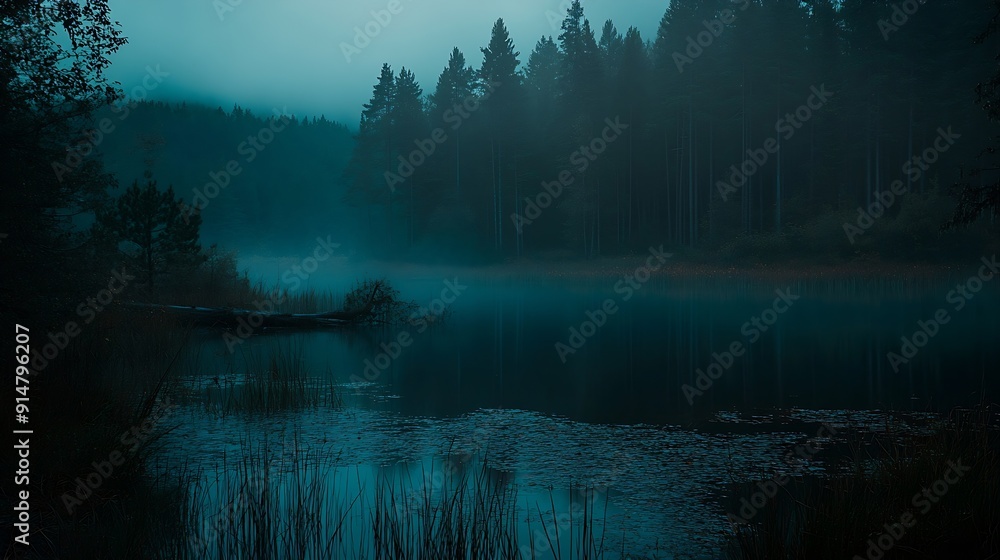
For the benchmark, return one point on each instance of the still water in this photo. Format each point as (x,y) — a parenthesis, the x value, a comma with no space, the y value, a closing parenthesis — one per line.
(563,382)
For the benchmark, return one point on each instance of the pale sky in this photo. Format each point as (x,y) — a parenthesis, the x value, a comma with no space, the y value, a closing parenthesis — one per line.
(266,54)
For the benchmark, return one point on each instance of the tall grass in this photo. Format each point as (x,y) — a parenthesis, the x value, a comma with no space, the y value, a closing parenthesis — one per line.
(280,501)
(472,515)
(219,283)
(287,300)
(273,379)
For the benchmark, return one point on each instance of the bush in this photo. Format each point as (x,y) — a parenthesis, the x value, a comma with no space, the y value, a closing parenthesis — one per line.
(379,302)
(215,283)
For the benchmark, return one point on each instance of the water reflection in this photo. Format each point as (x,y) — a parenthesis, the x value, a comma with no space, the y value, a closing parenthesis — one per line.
(489,383)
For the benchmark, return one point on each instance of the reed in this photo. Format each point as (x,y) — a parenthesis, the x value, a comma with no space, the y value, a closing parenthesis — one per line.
(270,379)
(280,500)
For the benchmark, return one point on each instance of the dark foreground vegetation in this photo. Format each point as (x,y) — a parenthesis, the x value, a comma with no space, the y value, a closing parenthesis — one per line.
(107,388)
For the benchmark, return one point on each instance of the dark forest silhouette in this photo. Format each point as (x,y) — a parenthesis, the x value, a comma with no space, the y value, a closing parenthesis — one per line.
(717,83)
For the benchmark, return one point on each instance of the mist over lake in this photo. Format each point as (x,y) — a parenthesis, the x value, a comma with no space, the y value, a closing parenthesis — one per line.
(569,280)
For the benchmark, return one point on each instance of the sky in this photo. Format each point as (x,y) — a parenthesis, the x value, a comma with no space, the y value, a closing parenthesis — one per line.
(268,55)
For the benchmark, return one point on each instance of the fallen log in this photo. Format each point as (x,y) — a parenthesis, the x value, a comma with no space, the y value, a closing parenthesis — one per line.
(232,318)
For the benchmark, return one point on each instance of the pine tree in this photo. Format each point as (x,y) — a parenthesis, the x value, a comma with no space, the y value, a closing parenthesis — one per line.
(370,170)
(160,236)
(975,200)
(454,89)
(631,102)
(543,143)
(500,84)
(581,87)
(454,86)
(410,132)
(542,76)
(581,72)
(610,45)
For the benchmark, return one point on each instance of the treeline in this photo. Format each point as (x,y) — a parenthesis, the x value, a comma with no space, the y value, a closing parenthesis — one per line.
(752,126)
(269,183)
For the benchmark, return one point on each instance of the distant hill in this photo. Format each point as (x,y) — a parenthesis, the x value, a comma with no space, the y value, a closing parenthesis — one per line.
(287,188)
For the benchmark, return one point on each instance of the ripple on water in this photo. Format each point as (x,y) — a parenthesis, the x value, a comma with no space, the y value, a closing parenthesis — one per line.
(662,484)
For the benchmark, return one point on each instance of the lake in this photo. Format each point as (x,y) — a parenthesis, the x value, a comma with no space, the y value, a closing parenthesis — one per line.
(638,402)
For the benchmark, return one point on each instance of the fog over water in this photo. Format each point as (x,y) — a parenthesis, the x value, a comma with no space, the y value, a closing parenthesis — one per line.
(517,280)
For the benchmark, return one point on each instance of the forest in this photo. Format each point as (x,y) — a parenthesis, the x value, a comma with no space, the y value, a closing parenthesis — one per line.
(600,142)
(723,290)
(722,145)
